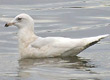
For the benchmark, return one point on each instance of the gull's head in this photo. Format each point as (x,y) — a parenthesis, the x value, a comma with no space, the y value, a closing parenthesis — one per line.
(21,21)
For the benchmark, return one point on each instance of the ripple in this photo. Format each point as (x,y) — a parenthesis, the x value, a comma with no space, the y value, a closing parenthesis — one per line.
(5,19)
(104,42)
(11,74)
(72,29)
(5,41)
(45,21)
(102,17)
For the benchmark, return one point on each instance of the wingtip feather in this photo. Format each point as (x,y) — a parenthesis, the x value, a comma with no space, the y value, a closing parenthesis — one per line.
(104,36)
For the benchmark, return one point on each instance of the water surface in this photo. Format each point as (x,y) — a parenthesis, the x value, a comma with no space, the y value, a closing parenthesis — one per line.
(66,18)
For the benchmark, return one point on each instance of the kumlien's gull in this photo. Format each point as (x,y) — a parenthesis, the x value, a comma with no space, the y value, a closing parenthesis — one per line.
(32,46)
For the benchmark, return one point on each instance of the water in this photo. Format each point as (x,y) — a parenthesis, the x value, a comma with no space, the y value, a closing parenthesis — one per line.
(66,18)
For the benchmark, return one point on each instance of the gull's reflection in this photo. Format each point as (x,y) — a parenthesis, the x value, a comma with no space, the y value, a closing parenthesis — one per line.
(70,62)
(26,66)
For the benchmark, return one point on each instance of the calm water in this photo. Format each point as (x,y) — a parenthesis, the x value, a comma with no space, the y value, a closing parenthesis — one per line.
(67,18)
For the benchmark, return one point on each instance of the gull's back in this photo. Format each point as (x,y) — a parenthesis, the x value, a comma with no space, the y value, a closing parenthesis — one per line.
(59,46)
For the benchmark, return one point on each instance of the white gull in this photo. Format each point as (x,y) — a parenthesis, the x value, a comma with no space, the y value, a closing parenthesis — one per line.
(32,46)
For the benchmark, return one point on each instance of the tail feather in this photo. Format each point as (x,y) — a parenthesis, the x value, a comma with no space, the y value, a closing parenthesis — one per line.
(86,42)
(93,40)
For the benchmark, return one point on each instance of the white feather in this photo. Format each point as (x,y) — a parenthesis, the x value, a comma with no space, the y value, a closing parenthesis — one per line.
(32,46)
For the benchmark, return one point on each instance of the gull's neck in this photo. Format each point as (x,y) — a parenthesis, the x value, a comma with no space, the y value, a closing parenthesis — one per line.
(26,33)
(25,37)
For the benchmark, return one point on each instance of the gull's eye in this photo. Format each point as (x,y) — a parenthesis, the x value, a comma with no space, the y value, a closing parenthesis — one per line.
(19,19)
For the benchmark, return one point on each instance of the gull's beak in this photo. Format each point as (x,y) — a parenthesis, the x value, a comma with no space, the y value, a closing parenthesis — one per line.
(9,24)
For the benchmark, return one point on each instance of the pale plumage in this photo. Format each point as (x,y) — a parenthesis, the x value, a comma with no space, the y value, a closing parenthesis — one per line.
(32,46)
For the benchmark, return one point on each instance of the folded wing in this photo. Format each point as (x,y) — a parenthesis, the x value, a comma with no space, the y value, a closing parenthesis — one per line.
(59,46)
